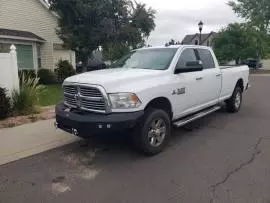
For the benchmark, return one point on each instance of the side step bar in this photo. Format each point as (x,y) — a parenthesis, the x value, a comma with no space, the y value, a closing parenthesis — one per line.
(196,116)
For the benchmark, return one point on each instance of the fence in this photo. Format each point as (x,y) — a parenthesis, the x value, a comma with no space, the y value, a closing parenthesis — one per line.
(266,64)
(9,78)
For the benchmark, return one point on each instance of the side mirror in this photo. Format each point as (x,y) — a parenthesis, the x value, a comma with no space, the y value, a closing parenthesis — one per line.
(191,66)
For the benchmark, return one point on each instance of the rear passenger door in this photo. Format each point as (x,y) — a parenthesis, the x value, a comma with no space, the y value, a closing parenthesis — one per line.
(210,83)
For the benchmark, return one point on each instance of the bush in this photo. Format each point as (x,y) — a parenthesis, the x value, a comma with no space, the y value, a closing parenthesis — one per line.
(27,73)
(5,108)
(46,77)
(24,101)
(64,70)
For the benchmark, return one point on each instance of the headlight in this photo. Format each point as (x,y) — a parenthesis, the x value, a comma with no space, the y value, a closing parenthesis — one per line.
(124,100)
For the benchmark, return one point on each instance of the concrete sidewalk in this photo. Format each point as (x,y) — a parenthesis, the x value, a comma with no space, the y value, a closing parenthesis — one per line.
(30,139)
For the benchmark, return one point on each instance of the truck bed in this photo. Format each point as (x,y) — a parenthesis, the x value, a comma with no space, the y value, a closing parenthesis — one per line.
(231,74)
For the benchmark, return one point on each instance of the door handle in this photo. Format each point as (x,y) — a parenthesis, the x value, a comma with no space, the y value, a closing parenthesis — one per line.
(218,75)
(200,78)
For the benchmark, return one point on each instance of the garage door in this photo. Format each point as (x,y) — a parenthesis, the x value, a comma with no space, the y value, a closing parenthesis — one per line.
(25,56)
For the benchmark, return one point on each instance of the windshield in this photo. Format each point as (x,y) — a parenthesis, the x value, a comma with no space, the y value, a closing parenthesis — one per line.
(155,59)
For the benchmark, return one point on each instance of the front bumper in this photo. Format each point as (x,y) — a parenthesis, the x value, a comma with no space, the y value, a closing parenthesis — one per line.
(85,124)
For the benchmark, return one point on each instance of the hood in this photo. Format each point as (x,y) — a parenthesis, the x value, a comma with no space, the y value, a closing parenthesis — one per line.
(114,79)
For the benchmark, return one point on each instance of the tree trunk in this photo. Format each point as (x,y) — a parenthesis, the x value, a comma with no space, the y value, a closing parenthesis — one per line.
(237,61)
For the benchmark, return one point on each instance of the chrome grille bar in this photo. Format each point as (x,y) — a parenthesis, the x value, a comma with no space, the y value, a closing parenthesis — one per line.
(86,97)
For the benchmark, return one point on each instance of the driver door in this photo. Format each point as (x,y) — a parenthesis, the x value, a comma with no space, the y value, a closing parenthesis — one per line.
(186,85)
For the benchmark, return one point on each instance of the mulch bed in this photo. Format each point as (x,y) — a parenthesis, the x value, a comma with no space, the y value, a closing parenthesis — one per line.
(45,114)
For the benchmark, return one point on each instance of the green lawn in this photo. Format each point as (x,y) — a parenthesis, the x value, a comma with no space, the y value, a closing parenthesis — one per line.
(51,95)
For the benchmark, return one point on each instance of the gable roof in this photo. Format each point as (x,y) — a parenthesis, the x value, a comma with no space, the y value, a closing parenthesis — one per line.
(18,34)
(47,6)
(188,38)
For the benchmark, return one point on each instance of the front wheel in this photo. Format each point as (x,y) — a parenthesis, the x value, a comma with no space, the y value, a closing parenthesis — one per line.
(235,102)
(153,132)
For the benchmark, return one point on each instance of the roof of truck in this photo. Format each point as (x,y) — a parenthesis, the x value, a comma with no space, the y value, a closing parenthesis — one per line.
(174,47)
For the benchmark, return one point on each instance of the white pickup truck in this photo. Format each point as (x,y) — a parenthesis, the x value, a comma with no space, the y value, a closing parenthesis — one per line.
(148,91)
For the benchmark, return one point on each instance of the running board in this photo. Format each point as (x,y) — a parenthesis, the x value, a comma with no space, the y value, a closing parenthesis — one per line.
(196,116)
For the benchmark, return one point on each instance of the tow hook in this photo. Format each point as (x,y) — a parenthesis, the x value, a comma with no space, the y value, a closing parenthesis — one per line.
(75,132)
(56,125)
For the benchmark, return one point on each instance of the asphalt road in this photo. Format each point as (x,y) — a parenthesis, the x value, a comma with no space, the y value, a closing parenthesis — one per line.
(224,158)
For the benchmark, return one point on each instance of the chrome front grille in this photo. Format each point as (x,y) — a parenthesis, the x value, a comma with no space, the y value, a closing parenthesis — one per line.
(70,100)
(90,92)
(88,98)
(93,105)
(70,90)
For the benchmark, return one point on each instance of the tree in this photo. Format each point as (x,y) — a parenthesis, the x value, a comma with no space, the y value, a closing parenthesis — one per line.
(133,34)
(239,41)
(84,25)
(255,11)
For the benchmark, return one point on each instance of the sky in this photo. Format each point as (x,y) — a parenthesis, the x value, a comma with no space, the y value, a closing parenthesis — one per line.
(176,18)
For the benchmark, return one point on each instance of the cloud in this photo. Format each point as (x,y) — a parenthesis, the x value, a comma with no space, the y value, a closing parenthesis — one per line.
(176,23)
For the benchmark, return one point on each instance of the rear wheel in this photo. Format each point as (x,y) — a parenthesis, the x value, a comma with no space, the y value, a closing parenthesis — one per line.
(152,134)
(235,102)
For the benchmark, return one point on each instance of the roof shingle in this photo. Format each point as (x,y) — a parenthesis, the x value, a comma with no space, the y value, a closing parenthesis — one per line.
(19,33)
(188,38)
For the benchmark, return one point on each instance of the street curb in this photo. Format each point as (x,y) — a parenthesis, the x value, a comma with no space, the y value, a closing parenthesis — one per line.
(36,150)
(264,75)
(31,139)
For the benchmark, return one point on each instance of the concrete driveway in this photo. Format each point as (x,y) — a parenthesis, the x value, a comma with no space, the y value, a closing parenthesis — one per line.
(225,159)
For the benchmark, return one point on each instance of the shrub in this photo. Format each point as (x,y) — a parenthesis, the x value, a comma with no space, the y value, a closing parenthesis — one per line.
(24,101)
(64,70)
(46,77)
(26,73)
(5,108)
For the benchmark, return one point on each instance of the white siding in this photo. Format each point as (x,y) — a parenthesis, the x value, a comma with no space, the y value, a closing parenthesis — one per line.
(210,39)
(64,55)
(32,16)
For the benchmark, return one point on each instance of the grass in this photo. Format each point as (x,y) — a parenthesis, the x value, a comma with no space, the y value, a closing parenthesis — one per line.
(51,95)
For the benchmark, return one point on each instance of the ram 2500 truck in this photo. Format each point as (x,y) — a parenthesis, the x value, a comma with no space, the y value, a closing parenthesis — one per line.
(149,91)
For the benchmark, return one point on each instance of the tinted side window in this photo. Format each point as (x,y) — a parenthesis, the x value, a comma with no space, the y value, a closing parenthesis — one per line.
(186,56)
(206,58)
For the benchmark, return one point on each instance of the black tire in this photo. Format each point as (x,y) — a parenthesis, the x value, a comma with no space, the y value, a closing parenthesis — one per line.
(141,133)
(234,104)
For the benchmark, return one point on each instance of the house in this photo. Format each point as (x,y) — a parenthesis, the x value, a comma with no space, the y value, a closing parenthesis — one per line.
(195,39)
(31,27)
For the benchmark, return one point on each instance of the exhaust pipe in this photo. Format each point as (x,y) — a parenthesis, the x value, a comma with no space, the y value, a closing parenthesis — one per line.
(56,125)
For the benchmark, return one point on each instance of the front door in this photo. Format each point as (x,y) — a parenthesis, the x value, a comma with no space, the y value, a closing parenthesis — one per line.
(186,85)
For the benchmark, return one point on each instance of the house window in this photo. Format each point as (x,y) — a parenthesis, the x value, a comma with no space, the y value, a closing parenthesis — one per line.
(39,56)
(196,42)
(25,56)
(4,48)
(208,43)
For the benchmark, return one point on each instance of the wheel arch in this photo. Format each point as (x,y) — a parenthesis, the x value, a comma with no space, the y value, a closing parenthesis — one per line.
(240,83)
(161,103)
